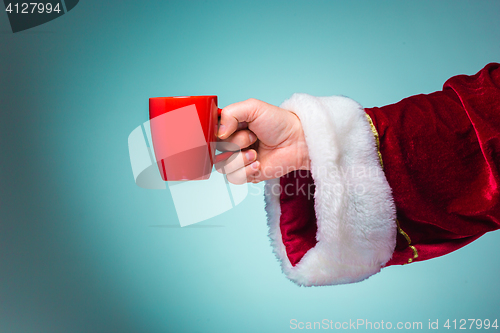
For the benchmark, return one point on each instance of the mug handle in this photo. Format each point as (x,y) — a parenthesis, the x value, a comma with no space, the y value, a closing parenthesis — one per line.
(219,112)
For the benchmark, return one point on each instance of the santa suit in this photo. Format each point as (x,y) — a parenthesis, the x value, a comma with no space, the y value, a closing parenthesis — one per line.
(388,186)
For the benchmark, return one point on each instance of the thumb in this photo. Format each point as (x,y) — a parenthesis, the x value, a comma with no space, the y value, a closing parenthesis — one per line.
(246,111)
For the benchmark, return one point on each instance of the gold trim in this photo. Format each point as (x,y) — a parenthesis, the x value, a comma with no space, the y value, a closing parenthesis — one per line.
(408,239)
(401,231)
(377,140)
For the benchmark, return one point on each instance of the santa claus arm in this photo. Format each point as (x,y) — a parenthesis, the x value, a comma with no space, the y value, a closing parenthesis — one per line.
(391,185)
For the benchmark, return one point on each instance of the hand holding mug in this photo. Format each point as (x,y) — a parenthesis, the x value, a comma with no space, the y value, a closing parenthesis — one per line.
(271,140)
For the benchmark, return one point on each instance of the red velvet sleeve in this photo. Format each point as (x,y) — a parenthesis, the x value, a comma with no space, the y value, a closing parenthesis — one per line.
(441,156)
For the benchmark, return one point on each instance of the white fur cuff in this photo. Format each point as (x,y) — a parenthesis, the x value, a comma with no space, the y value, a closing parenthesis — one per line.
(355,212)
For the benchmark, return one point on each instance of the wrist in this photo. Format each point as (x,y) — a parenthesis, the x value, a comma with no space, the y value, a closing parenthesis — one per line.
(303,161)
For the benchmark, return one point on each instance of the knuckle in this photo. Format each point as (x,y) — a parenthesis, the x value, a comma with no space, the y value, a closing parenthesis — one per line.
(254,103)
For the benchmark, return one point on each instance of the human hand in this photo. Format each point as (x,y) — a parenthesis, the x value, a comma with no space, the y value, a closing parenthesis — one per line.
(271,140)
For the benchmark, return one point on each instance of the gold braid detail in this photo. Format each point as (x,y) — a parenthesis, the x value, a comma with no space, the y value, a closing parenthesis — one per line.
(401,231)
(377,140)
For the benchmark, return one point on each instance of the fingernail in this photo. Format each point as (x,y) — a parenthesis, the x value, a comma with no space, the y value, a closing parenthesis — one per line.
(250,155)
(222,130)
(255,165)
(252,137)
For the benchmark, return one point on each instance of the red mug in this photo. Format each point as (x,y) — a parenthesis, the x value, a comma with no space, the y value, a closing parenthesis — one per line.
(184,134)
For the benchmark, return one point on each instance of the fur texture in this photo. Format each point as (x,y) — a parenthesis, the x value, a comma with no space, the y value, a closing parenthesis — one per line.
(353,203)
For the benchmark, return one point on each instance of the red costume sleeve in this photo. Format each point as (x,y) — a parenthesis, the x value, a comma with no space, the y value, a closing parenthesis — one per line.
(441,156)
(392,185)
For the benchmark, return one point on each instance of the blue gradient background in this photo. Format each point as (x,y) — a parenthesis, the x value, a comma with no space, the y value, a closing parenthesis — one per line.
(83,249)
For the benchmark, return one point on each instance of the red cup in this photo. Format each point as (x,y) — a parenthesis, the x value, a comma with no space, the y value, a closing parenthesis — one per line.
(184,134)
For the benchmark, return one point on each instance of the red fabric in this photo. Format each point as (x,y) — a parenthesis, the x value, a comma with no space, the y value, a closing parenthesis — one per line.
(298,220)
(441,155)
